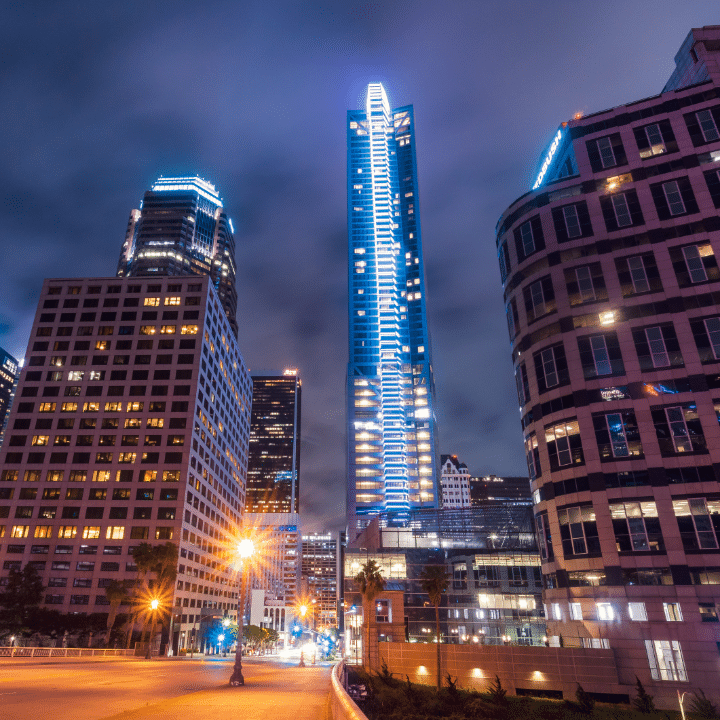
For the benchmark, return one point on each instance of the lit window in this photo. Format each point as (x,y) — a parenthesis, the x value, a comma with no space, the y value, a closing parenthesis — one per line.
(19,531)
(168,329)
(576,611)
(69,407)
(189,330)
(67,532)
(637,611)
(666,660)
(91,532)
(151,301)
(605,612)
(655,139)
(43,531)
(40,439)
(115,532)
(47,407)
(175,300)
(673,613)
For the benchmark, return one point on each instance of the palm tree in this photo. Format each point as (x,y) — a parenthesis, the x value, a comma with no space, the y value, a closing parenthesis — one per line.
(435,581)
(371,583)
(117,594)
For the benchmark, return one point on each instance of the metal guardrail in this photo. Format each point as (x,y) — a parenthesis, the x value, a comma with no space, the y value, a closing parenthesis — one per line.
(342,705)
(45,652)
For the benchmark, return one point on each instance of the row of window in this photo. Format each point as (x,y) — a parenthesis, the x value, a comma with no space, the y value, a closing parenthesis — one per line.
(657,347)
(654,139)
(114,289)
(636,527)
(91,513)
(637,274)
(620,209)
(98,476)
(677,428)
(88,532)
(78,493)
(133,406)
(636,612)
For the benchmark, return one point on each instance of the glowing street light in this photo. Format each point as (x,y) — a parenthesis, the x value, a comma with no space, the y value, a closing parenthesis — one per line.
(154,605)
(244,550)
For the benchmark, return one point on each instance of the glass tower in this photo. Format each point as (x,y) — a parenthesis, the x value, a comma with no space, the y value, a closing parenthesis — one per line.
(182,229)
(274,457)
(392,436)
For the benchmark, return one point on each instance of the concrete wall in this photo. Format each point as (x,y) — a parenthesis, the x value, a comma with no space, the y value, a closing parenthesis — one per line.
(535,668)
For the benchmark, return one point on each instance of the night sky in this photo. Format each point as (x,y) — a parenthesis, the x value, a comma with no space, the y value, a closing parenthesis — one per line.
(100,98)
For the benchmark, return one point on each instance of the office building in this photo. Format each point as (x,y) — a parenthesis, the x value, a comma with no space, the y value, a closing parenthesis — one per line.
(320,571)
(274,459)
(131,424)
(490,554)
(610,274)
(455,482)
(392,437)
(9,374)
(493,489)
(181,229)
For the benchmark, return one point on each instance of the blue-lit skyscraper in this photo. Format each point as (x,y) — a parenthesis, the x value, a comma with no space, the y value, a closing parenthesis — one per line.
(392,435)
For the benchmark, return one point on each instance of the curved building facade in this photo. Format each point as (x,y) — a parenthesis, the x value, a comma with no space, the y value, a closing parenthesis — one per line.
(612,289)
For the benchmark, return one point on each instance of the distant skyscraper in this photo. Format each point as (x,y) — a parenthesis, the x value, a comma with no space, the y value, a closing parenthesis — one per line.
(392,436)
(320,570)
(182,229)
(274,460)
(9,373)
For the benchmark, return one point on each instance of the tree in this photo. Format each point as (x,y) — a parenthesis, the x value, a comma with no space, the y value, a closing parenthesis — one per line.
(643,702)
(117,593)
(434,581)
(22,595)
(370,581)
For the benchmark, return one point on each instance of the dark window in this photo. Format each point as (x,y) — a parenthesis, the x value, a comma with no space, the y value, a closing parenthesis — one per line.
(638,274)
(674,198)
(551,368)
(572,221)
(511,315)
(657,347)
(703,125)
(564,444)
(578,531)
(606,152)
(529,238)
(678,429)
(539,298)
(621,210)
(521,382)
(694,264)
(706,332)
(600,355)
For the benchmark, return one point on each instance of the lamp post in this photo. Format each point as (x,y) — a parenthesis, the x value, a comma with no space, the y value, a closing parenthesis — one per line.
(245,549)
(154,603)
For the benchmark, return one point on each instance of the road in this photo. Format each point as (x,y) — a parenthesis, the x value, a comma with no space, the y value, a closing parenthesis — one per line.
(111,689)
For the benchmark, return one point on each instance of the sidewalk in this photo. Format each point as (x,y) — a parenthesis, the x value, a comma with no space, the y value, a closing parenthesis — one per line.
(293,694)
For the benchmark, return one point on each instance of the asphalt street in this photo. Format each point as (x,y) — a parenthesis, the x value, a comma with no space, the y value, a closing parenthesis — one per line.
(105,689)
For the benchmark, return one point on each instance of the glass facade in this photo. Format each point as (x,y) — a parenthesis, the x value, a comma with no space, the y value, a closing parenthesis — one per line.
(181,229)
(392,436)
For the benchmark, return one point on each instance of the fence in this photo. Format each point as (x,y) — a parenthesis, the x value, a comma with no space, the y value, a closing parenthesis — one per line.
(54,652)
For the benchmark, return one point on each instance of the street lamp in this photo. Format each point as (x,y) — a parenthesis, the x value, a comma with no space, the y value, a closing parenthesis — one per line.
(245,548)
(221,639)
(154,604)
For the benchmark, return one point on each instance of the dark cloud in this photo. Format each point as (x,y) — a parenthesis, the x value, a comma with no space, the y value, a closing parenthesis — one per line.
(101,98)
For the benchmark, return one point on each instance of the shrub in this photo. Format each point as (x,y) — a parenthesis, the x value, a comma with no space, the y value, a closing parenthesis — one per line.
(496,692)
(701,706)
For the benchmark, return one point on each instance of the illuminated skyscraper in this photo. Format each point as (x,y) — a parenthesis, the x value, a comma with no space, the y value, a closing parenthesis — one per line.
(182,229)
(274,459)
(392,436)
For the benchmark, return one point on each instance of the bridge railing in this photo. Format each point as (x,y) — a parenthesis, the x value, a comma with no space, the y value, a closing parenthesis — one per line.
(342,705)
(54,652)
